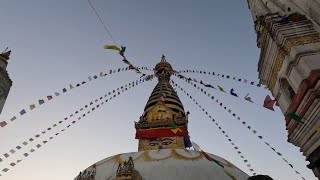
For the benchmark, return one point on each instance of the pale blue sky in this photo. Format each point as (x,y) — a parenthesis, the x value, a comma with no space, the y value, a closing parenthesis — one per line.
(55,43)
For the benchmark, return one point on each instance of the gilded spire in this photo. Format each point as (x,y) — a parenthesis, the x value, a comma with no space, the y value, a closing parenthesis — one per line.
(164,122)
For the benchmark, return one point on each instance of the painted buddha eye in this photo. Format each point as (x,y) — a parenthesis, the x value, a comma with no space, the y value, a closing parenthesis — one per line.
(153,143)
(166,141)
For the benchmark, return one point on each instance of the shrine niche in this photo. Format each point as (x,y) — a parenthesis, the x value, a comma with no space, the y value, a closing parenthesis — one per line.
(88,174)
(126,171)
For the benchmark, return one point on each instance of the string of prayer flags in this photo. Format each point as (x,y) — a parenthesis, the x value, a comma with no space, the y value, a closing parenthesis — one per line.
(220,88)
(121,52)
(217,124)
(49,129)
(243,122)
(295,117)
(50,97)
(222,76)
(269,103)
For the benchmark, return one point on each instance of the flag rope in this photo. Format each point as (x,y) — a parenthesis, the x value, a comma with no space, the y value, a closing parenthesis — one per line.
(220,89)
(101,21)
(63,91)
(235,147)
(225,76)
(247,126)
(93,105)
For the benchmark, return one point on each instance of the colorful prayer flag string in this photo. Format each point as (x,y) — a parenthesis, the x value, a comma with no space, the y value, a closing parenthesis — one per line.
(63,91)
(94,106)
(121,50)
(221,89)
(225,134)
(225,76)
(249,127)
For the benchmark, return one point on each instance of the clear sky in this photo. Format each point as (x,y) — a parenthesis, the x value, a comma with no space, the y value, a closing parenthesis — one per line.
(58,42)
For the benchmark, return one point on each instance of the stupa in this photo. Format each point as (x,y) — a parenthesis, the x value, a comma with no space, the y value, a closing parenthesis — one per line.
(163,152)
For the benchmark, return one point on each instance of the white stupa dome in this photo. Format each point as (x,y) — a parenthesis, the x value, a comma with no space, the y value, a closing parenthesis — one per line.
(165,164)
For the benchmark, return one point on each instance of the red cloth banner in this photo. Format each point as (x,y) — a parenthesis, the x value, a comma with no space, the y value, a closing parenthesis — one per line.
(161,132)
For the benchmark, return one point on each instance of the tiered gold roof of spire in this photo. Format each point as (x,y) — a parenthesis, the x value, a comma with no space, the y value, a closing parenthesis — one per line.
(164,122)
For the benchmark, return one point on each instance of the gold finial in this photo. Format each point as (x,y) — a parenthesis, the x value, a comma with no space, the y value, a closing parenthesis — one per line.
(163,58)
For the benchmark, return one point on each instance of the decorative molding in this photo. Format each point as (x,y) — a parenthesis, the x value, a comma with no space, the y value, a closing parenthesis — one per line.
(285,50)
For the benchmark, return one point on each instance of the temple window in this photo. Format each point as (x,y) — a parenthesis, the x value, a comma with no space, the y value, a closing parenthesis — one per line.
(287,89)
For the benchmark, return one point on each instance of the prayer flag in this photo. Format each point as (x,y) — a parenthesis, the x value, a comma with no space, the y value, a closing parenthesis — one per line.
(57,94)
(221,89)
(25,143)
(3,124)
(49,97)
(12,151)
(6,155)
(101,74)
(41,101)
(248,98)
(26,154)
(268,103)
(113,47)
(318,129)
(32,150)
(295,117)
(18,147)
(18,161)
(13,118)
(38,145)
(39,135)
(233,93)
(1,160)
(22,112)
(64,90)
(83,82)
(71,86)
(90,79)
(32,106)
(5,170)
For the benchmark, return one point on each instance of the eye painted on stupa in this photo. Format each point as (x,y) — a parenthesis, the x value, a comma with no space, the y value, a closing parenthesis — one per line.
(166,141)
(153,143)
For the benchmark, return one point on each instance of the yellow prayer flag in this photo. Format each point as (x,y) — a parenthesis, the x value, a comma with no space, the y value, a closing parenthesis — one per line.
(175,130)
(71,87)
(114,47)
(101,74)
(32,106)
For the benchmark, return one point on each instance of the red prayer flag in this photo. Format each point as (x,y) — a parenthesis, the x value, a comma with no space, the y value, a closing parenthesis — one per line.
(49,97)
(269,103)
(3,124)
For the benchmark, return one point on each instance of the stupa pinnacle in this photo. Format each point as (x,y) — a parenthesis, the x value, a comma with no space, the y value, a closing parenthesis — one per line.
(163,124)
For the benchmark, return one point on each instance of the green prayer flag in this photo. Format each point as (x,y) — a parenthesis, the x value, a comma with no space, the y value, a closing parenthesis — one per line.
(114,47)
(221,89)
(295,117)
